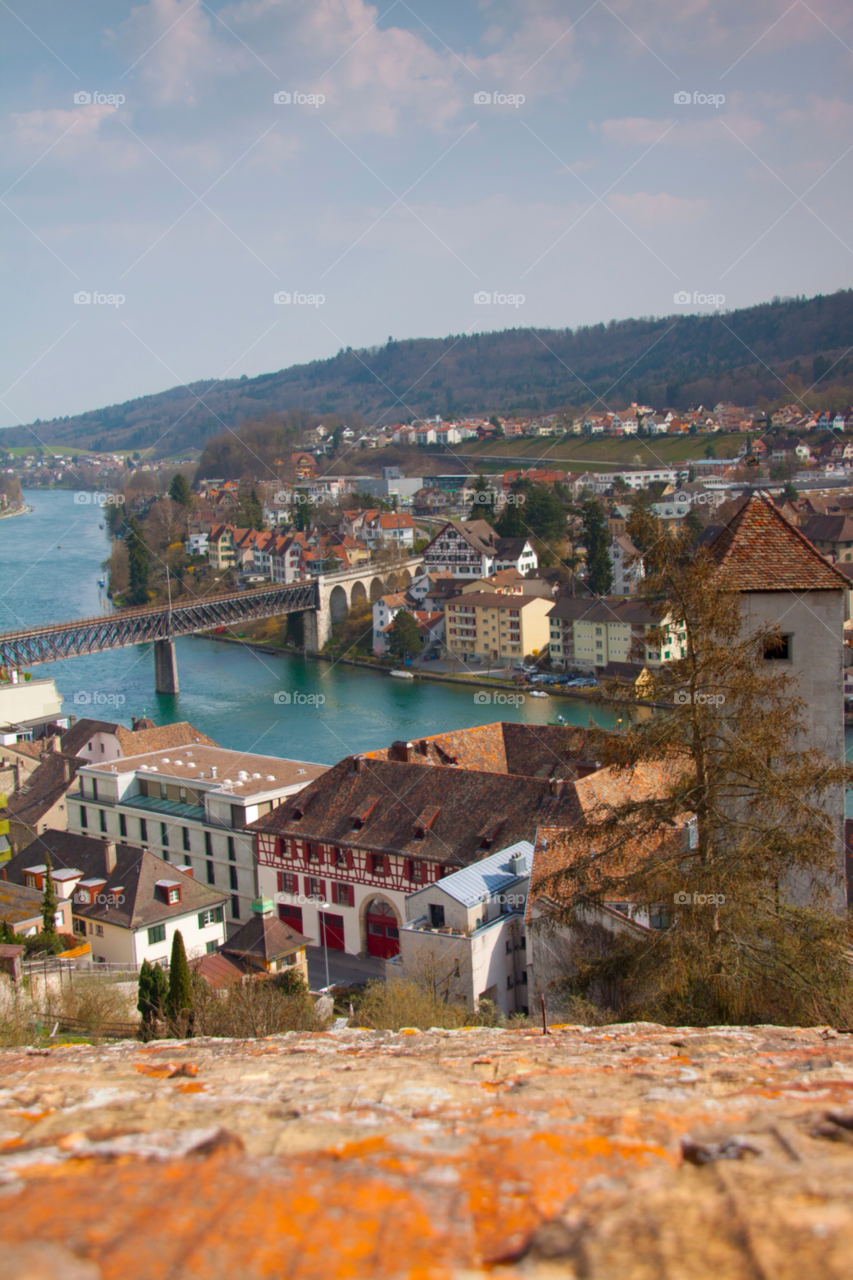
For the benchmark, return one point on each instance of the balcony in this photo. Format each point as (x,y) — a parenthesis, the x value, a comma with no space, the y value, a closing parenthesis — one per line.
(171,808)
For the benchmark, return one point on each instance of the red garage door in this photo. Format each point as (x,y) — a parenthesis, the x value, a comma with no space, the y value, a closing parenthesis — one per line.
(291,915)
(383,935)
(332,931)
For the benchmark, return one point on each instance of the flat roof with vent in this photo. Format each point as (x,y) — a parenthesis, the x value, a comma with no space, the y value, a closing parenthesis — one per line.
(236,772)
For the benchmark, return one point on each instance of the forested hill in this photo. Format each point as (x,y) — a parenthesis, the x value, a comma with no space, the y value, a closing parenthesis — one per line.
(677,361)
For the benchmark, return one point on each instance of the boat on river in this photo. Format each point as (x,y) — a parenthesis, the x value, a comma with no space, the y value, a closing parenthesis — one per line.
(402,675)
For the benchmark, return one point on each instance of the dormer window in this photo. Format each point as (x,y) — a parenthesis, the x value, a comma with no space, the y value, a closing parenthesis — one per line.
(174,896)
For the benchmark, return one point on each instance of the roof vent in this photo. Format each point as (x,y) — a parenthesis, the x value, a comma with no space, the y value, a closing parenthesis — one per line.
(270,777)
(518,864)
(213,771)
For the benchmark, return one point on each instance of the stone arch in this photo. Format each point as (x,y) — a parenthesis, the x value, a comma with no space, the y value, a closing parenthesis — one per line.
(407,578)
(377,589)
(358,594)
(364,910)
(338,605)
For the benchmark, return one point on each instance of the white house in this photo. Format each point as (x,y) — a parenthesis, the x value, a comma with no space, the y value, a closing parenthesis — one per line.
(125,902)
(627,566)
(385,611)
(466,931)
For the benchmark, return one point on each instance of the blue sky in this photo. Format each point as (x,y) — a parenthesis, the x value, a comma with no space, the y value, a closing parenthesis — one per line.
(400,196)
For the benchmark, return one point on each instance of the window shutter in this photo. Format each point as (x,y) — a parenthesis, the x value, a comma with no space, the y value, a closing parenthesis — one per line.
(386,864)
(350,895)
(280,880)
(409,871)
(322,884)
(349,859)
(307,886)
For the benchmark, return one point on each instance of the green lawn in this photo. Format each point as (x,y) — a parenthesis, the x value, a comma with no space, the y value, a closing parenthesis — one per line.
(582,453)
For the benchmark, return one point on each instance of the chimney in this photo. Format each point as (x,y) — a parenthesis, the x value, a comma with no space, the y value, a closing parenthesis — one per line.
(109,856)
(358,763)
(213,771)
(556,786)
(66,770)
(72,720)
(19,775)
(401,751)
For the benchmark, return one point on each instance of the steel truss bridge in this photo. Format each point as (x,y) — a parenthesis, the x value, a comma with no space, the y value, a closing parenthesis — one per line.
(158,624)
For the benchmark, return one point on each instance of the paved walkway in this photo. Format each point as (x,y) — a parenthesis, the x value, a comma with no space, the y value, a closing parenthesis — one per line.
(343,968)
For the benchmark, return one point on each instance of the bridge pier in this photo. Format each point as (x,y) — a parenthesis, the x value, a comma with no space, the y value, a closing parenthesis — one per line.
(318,627)
(165,667)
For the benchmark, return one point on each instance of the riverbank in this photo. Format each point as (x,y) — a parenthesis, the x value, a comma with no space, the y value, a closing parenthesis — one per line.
(18,511)
(442,677)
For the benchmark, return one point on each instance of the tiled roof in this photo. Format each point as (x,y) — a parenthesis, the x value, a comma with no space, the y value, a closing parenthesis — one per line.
(18,903)
(606,609)
(43,788)
(829,529)
(525,750)
(265,938)
(762,551)
(475,810)
(157,738)
(133,879)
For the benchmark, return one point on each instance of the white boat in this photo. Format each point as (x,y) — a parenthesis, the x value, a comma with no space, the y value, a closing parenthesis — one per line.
(402,675)
(538,693)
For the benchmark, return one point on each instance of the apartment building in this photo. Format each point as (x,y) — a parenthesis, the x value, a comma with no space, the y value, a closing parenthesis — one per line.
(501,627)
(590,634)
(191,807)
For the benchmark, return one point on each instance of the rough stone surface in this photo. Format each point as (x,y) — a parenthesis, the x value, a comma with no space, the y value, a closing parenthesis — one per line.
(636,1152)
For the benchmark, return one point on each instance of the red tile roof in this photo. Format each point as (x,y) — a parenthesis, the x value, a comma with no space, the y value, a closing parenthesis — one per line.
(762,551)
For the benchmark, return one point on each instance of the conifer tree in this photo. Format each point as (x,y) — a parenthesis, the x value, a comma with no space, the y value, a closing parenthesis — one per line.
(137,562)
(724,829)
(179,1001)
(179,490)
(49,903)
(599,570)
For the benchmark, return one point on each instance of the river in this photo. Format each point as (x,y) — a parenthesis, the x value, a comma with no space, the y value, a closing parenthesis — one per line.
(50,563)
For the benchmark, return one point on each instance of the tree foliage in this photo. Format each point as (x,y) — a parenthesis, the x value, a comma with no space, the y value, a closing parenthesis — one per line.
(179,999)
(596,540)
(152,993)
(179,490)
(49,902)
(404,635)
(735,845)
(138,566)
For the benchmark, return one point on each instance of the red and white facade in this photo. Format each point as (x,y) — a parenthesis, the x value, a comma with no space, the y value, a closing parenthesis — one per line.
(364,892)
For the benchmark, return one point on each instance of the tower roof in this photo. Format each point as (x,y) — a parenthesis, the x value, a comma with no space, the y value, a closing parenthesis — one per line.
(763,551)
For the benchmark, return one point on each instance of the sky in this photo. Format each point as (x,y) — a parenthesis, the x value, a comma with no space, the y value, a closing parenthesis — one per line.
(238,187)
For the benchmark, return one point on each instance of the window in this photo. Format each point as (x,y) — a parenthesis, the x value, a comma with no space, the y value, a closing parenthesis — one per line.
(157,934)
(164,835)
(102,819)
(174,896)
(238,816)
(314,887)
(416,870)
(208,845)
(343,895)
(210,948)
(94,788)
(99,930)
(185,837)
(235,907)
(211,876)
(658,917)
(143,830)
(122,825)
(84,817)
(377,864)
(232,853)
(232,875)
(436,915)
(524,977)
(777,648)
(509,981)
(213,915)
(79,926)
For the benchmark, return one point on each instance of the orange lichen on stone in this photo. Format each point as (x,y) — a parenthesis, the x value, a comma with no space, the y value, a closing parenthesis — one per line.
(324,1157)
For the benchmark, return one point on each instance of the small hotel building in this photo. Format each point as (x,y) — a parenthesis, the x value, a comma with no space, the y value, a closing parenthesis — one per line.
(190,807)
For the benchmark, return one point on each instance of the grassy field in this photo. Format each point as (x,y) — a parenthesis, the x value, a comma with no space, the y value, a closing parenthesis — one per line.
(587,454)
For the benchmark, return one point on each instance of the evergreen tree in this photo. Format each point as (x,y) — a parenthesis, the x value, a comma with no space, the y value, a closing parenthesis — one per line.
(179,490)
(748,929)
(153,990)
(49,903)
(483,505)
(137,563)
(512,521)
(599,570)
(179,1000)
(404,636)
